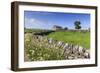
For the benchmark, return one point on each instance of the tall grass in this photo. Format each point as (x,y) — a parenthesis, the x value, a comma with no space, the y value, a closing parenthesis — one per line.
(40,51)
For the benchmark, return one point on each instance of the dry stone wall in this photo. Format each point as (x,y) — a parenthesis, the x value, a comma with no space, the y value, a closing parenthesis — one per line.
(70,51)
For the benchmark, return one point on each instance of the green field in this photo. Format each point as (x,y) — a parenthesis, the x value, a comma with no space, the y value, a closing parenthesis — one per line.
(31,30)
(80,38)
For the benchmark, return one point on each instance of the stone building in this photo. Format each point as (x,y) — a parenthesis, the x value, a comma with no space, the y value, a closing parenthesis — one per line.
(55,27)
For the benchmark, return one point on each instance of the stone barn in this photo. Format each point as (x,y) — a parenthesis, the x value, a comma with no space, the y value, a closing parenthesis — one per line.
(55,27)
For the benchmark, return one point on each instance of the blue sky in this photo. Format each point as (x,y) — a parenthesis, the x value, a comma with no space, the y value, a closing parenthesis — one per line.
(46,20)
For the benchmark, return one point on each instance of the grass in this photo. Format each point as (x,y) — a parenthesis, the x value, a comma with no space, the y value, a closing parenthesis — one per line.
(80,38)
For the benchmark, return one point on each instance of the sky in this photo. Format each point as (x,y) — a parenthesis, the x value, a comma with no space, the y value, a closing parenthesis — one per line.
(46,20)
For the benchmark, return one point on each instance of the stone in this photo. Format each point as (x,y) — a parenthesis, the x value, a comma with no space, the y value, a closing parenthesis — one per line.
(79,56)
(67,52)
(87,54)
(71,47)
(80,50)
(50,40)
(36,37)
(66,57)
(75,57)
(70,57)
(60,43)
(87,50)
(75,49)
(55,42)
(39,38)
(82,57)
(65,46)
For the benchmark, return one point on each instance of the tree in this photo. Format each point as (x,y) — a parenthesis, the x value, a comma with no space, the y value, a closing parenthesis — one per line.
(66,28)
(77,24)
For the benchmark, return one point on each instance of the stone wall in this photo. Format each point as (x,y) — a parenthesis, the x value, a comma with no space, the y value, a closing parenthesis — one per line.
(74,30)
(69,51)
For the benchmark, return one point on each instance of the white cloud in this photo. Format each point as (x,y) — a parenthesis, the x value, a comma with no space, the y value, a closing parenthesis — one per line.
(32,20)
(37,24)
(33,23)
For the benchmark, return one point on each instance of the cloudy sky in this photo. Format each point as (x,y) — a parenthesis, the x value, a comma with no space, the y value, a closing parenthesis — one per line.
(46,20)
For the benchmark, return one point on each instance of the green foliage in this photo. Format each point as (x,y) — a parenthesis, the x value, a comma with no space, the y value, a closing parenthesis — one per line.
(77,24)
(66,28)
